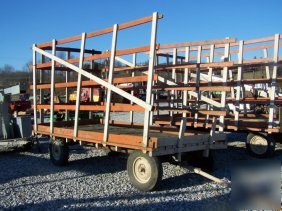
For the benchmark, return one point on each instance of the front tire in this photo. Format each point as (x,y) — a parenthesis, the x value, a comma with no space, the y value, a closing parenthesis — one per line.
(144,172)
(260,145)
(59,152)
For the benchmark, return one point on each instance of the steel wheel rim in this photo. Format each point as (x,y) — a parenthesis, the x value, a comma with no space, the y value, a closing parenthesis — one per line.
(56,151)
(142,170)
(258,144)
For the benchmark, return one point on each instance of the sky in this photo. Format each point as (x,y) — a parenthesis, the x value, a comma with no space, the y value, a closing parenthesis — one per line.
(24,22)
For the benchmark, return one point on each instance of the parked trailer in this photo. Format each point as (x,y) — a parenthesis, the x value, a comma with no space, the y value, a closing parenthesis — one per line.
(145,142)
(240,70)
(15,131)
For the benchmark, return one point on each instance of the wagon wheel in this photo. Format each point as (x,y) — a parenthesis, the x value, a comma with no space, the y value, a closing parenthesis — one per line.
(144,171)
(260,145)
(59,152)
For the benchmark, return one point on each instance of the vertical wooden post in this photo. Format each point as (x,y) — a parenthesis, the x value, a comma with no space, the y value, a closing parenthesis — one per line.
(239,84)
(150,77)
(273,81)
(67,117)
(131,115)
(52,88)
(41,92)
(78,91)
(34,89)
(168,76)
(211,60)
(110,80)
(280,119)
(198,79)
(231,78)
(90,100)
(153,93)
(224,80)
(91,89)
(182,128)
(186,78)
(267,71)
(173,93)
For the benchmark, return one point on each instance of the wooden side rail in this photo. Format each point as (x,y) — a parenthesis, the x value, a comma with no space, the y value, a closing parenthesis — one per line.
(84,107)
(100,32)
(90,83)
(99,56)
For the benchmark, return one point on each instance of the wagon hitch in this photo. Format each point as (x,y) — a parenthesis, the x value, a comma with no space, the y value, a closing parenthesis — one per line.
(224,181)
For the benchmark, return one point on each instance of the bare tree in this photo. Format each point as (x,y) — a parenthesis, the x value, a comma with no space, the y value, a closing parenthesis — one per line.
(27,66)
(8,68)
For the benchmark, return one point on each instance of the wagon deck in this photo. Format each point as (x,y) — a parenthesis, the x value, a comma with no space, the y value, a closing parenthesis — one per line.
(130,137)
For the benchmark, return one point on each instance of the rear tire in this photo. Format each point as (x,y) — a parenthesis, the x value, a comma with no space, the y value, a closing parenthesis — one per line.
(59,152)
(260,145)
(144,172)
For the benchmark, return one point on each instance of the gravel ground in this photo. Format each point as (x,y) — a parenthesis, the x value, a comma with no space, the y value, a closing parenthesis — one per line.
(92,180)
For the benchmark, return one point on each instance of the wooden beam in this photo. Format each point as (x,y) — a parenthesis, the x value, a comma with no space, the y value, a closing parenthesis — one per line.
(68,49)
(185,110)
(122,140)
(198,43)
(34,80)
(110,81)
(101,32)
(78,90)
(100,56)
(90,83)
(152,55)
(52,91)
(90,107)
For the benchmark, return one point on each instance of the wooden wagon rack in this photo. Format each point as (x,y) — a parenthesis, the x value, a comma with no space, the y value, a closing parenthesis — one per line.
(179,110)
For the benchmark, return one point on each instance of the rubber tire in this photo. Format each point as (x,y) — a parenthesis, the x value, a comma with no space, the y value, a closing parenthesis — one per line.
(63,148)
(197,160)
(270,145)
(156,168)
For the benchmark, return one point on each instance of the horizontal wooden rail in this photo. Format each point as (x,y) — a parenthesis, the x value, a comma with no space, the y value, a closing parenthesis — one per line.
(119,140)
(90,83)
(234,82)
(249,100)
(101,32)
(217,46)
(204,112)
(99,56)
(219,65)
(198,43)
(194,65)
(193,88)
(164,52)
(75,50)
(191,66)
(114,107)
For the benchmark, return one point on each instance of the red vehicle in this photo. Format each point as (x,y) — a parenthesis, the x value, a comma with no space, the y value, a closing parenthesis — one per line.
(21,104)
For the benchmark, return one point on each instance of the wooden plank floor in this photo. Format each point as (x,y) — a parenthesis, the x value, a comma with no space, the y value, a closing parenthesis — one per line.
(123,130)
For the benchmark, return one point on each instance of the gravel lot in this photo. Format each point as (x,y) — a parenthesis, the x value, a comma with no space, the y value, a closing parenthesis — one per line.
(92,180)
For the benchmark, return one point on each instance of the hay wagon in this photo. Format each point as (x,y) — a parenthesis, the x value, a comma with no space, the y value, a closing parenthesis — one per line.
(173,100)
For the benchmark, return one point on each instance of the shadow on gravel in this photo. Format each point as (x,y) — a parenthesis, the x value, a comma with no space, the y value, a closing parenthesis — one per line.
(150,201)
(18,163)
(15,166)
(182,181)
